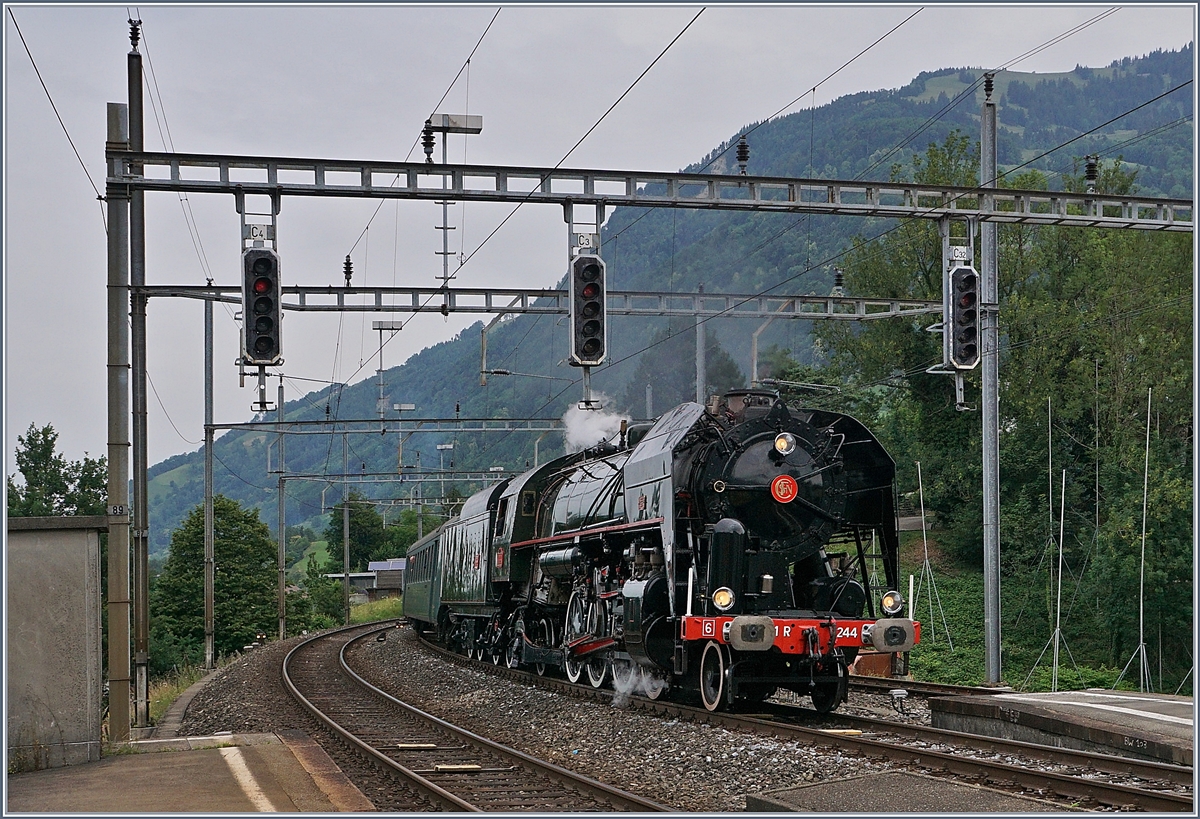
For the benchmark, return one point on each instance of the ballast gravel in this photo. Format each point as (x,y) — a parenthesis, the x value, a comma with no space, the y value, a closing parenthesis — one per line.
(686,766)
(683,765)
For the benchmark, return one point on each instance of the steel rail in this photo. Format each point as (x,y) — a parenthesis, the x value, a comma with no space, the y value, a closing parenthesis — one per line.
(290,176)
(443,796)
(430,790)
(618,797)
(1108,763)
(1068,787)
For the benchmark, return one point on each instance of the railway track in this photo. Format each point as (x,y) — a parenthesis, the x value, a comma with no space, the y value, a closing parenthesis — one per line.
(444,767)
(1096,780)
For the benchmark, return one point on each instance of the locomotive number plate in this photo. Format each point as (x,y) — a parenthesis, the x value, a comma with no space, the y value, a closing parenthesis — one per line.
(784,489)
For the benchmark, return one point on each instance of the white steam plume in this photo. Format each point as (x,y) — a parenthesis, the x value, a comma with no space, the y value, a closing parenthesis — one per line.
(585,428)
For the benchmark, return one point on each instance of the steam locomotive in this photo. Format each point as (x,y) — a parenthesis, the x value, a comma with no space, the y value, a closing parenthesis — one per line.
(724,551)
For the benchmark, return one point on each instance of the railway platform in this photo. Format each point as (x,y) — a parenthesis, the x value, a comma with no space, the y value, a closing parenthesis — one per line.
(1157,727)
(166,773)
(226,773)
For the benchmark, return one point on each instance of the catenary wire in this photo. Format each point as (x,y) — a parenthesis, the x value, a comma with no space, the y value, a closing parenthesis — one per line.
(58,116)
(431,113)
(164,132)
(577,144)
(921,128)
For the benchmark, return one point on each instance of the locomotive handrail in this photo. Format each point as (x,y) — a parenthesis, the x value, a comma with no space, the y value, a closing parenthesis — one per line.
(649,523)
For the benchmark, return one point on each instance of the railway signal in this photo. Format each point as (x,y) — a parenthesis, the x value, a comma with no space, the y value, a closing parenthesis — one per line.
(261,309)
(589,311)
(963,319)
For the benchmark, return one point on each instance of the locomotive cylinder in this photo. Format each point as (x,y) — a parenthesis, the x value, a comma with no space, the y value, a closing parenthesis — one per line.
(561,564)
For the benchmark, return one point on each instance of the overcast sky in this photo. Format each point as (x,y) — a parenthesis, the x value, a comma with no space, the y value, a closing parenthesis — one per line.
(358,82)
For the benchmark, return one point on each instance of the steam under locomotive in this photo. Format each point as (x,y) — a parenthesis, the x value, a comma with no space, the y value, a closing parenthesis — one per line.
(723,551)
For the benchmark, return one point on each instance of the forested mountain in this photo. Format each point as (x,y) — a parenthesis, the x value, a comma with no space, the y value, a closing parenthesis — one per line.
(870,135)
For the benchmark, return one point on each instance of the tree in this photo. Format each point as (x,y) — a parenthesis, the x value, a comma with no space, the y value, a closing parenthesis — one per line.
(1090,321)
(52,484)
(366,534)
(244,586)
(324,595)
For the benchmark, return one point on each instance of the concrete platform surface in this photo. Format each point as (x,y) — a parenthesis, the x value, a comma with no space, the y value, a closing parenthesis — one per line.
(226,773)
(1158,727)
(891,792)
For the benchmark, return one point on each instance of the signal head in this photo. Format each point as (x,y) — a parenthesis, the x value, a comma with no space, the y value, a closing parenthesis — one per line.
(589,334)
(963,320)
(261,307)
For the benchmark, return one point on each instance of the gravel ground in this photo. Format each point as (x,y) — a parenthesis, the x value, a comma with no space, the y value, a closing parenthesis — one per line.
(685,766)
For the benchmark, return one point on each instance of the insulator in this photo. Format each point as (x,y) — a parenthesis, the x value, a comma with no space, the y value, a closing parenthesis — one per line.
(1091,173)
(838,278)
(427,141)
(743,153)
(988,84)
(135,33)
(348,270)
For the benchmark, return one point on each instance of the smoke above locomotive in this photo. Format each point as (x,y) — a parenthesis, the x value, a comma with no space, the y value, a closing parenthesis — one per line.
(722,552)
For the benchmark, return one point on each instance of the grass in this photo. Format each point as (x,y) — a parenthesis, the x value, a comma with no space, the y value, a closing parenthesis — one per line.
(388,608)
(318,550)
(165,690)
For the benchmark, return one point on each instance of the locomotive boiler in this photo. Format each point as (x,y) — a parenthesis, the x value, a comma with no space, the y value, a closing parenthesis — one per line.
(722,552)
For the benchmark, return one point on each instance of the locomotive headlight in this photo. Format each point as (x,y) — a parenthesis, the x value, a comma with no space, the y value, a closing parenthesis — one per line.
(892,603)
(723,598)
(785,443)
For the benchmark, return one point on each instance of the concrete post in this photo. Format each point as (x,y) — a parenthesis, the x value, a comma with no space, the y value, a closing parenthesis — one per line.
(141,512)
(117,197)
(345,531)
(989,347)
(209,565)
(281,590)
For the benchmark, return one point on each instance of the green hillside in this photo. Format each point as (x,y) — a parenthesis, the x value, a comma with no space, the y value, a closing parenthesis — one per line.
(869,135)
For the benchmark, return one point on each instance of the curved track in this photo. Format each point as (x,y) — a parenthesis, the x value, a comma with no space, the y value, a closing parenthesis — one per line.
(995,762)
(443,766)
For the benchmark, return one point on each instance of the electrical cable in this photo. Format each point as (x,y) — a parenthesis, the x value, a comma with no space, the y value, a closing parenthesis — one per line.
(58,116)
(582,138)
(1183,84)
(577,144)
(920,129)
(167,414)
(185,204)
(431,113)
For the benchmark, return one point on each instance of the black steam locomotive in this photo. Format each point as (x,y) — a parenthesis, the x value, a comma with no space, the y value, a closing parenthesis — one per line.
(725,551)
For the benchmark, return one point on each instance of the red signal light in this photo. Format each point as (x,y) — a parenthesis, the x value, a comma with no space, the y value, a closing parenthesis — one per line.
(591,290)
(262,285)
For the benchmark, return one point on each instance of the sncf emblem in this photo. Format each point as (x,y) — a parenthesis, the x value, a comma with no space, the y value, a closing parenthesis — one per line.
(784,489)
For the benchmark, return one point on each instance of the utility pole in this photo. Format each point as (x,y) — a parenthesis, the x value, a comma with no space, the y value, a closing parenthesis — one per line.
(117,199)
(141,512)
(345,533)
(209,522)
(989,350)
(281,591)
